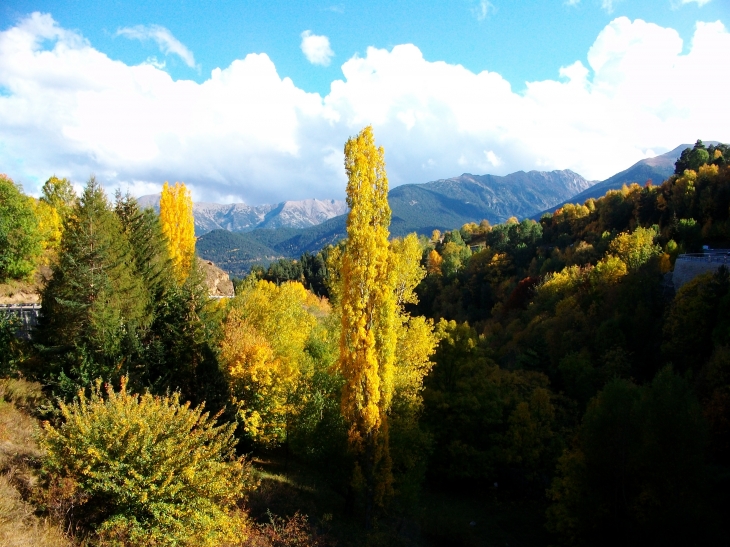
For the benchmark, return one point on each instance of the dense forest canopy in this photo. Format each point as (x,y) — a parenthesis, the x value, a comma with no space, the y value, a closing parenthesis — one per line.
(550,366)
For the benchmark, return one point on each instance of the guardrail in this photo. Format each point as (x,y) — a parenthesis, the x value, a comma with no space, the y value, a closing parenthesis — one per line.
(28,314)
(722,257)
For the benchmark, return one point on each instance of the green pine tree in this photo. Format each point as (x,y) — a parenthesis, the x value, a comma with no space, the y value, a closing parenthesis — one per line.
(144,232)
(95,304)
(179,354)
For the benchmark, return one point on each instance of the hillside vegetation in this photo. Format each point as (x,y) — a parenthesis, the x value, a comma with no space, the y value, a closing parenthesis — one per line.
(438,205)
(524,383)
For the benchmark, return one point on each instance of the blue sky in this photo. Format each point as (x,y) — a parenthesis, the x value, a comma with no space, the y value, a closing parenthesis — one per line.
(601,56)
(523,41)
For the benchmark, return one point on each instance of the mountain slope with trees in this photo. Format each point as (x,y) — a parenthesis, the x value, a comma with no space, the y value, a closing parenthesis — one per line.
(446,203)
(655,169)
(419,208)
(542,379)
(568,365)
(439,205)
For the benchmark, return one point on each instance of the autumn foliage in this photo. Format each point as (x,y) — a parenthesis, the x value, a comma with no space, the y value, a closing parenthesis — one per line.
(381,356)
(146,469)
(262,350)
(547,373)
(176,215)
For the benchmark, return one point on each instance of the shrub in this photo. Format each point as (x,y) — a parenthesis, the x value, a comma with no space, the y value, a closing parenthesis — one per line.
(294,531)
(9,343)
(147,470)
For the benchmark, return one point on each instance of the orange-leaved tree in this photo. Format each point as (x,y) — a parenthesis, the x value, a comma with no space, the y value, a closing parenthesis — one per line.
(176,217)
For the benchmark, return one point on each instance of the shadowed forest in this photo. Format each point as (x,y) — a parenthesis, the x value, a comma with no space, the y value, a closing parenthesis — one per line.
(528,383)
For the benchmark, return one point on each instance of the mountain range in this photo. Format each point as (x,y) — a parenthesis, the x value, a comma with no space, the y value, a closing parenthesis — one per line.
(656,169)
(239,217)
(449,203)
(443,204)
(237,236)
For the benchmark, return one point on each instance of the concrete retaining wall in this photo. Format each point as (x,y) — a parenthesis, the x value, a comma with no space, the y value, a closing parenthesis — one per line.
(686,270)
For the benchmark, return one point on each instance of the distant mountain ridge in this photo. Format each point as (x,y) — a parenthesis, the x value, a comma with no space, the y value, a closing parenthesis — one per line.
(239,217)
(446,203)
(656,169)
(443,204)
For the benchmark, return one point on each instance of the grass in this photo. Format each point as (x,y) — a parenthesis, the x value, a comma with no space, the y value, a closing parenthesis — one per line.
(19,460)
(285,490)
(27,396)
(19,526)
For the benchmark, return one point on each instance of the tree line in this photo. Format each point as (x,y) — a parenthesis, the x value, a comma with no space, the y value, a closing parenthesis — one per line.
(569,371)
(548,362)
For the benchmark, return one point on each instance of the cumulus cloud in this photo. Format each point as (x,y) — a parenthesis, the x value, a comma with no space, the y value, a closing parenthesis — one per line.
(246,133)
(493,158)
(316,48)
(164,39)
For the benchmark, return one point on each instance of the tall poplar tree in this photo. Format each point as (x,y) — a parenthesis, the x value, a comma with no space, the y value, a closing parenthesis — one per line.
(369,312)
(178,225)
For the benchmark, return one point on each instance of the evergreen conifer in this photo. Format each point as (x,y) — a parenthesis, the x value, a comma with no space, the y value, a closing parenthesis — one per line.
(95,303)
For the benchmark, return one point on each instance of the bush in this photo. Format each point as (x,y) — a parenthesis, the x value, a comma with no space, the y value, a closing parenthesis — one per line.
(9,343)
(294,531)
(146,470)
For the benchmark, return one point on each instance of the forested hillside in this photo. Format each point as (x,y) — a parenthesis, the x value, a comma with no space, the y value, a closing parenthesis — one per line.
(655,169)
(524,383)
(438,205)
(568,365)
(418,208)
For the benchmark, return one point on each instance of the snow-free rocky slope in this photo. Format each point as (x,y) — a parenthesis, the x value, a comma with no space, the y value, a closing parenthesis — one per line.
(239,217)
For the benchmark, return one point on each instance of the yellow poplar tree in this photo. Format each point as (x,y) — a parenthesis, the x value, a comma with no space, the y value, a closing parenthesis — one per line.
(178,225)
(368,314)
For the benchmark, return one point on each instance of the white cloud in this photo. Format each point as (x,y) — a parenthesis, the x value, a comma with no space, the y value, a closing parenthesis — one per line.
(316,48)
(164,38)
(608,5)
(246,133)
(493,159)
(699,3)
(483,9)
(155,63)
(571,2)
